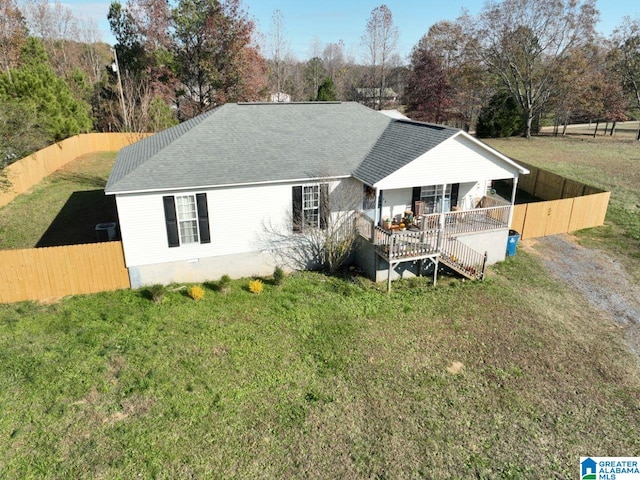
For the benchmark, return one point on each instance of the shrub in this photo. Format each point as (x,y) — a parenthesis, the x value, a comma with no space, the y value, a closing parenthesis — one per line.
(156,293)
(278,276)
(196,292)
(224,285)
(256,286)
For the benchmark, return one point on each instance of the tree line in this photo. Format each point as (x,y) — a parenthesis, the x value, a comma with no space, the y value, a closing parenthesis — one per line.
(515,64)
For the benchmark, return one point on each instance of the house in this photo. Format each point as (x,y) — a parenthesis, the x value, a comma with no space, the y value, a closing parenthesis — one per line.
(280,97)
(233,190)
(372,97)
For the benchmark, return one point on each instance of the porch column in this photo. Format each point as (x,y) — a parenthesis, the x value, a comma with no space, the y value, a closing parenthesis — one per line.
(441,219)
(513,200)
(377,211)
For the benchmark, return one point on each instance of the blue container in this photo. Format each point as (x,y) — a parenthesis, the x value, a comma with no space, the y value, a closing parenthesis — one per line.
(512,242)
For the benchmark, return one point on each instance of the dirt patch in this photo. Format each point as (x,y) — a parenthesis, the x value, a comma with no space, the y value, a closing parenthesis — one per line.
(598,276)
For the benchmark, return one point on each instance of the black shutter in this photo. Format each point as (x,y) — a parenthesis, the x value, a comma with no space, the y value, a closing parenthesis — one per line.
(203,217)
(325,209)
(415,197)
(296,193)
(171,221)
(455,188)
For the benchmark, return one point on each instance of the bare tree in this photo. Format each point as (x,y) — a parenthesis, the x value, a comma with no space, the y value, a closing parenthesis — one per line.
(299,241)
(522,42)
(625,56)
(380,40)
(12,34)
(56,25)
(278,47)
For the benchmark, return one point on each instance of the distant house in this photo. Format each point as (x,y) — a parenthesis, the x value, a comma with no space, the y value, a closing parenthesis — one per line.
(280,97)
(197,200)
(371,96)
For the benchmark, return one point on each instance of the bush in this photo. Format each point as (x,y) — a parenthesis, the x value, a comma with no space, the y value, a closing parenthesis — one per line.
(224,285)
(278,276)
(196,292)
(256,286)
(156,293)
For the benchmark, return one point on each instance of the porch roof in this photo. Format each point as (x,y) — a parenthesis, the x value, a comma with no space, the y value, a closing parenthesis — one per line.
(400,144)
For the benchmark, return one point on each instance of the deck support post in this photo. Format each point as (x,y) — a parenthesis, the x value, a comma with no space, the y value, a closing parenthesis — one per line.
(435,270)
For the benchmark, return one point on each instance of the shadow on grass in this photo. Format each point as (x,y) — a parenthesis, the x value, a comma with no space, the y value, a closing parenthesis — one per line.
(76,222)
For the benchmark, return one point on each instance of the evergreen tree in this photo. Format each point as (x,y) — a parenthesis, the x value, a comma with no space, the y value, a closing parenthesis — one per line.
(502,117)
(35,85)
(327,91)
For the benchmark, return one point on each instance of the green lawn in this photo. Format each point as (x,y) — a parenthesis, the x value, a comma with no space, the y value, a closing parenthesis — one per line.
(320,377)
(63,209)
(323,377)
(610,164)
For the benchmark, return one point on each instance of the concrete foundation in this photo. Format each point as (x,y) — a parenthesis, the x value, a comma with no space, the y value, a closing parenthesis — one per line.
(203,269)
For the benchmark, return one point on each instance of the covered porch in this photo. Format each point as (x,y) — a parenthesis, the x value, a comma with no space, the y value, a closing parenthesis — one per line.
(436,237)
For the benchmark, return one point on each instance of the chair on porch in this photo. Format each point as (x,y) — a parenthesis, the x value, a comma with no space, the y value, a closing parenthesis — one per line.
(419,209)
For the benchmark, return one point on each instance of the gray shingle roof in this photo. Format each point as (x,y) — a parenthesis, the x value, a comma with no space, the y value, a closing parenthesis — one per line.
(262,143)
(402,142)
(251,143)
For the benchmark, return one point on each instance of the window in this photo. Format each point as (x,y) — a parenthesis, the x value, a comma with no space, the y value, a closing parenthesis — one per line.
(310,206)
(431,195)
(187,219)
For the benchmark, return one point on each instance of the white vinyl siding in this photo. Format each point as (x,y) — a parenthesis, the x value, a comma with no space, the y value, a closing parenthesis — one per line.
(457,160)
(239,218)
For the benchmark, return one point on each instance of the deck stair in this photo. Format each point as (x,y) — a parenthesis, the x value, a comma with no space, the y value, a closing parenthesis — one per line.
(463,259)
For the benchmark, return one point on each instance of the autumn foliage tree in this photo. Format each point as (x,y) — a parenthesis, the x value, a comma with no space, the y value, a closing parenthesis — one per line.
(210,40)
(428,90)
(13,32)
(521,42)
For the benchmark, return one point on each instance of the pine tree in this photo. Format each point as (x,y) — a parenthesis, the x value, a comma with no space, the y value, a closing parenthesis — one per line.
(35,85)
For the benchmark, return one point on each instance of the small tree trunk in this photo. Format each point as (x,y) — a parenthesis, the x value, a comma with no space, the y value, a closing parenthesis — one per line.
(564,127)
(606,127)
(613,129)
(596,129)
(527,132)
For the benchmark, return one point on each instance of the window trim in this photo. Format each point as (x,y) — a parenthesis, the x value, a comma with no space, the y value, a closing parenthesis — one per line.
(299,206)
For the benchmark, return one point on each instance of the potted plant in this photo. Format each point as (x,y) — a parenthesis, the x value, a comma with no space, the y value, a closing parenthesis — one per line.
(386,224)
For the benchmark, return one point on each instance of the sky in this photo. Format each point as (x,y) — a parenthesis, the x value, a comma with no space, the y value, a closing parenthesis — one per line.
(329,21)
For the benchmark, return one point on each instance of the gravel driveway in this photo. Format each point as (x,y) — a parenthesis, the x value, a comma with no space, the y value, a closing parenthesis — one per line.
(598,276)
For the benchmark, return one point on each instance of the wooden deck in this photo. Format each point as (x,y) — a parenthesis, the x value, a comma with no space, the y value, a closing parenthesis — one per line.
(433,237)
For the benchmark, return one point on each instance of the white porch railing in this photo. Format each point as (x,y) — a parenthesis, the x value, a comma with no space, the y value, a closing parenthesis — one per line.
(478,220)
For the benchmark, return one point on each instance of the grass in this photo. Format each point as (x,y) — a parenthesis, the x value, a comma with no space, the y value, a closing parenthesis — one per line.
(610,164)
(319,377)
(63,209)
(324,377)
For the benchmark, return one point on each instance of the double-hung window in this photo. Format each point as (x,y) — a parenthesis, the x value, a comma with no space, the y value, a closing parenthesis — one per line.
(187,219)
(310,206)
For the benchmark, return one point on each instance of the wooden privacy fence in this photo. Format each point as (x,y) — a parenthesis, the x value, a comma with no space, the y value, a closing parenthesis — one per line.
(25,173)
(569,205)
(43,273)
